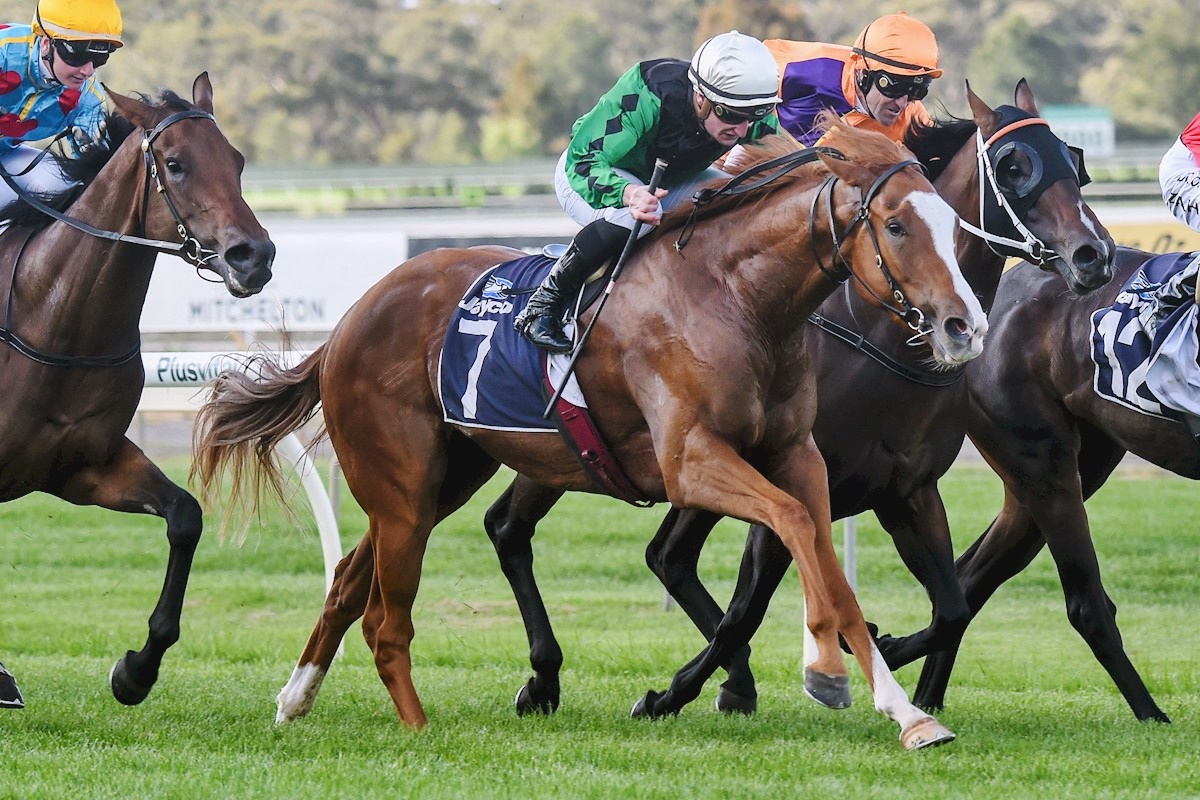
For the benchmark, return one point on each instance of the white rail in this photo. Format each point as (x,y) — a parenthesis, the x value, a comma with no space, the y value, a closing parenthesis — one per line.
(192,370)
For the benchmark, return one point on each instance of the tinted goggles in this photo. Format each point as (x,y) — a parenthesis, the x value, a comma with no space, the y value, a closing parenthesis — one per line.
(78,53)
(735,116)
(914,87)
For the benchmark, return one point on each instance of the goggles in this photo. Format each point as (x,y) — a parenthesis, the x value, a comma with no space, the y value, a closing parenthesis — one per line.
(736,116)
(914,87)
(78,53)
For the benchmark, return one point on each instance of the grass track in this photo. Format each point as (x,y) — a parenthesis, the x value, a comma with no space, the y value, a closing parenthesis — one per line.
(1036,715)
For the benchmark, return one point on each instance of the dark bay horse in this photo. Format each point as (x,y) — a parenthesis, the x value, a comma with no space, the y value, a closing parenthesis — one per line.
(884,449)
(73,299)
(1054,441)
(701,386)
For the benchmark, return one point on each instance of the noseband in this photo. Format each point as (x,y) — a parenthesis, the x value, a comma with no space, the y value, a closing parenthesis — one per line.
(1029,246)
(906,311)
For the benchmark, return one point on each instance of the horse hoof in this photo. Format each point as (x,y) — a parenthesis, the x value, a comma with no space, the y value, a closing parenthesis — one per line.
(831,691)
(925,732)
(645,707)
(127,690)
(527,703)
(730,703)
(10,693)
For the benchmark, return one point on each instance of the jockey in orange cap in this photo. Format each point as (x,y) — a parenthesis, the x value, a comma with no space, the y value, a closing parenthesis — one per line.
(877,84)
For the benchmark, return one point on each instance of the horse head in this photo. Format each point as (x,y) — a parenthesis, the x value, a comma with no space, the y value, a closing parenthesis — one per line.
(197,173)
(902,227)
(1030,200)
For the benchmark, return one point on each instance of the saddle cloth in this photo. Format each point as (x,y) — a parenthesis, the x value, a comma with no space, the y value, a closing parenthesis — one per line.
(1144,345)
(490,376)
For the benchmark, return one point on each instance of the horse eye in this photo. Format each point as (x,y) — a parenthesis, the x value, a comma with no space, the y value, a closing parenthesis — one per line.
(174,167)
(894,228)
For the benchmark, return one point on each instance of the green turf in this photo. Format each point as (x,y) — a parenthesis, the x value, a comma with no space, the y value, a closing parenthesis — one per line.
(1036,715)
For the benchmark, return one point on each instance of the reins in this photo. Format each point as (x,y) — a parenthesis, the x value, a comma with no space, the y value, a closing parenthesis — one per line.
(776,168)
(189,249)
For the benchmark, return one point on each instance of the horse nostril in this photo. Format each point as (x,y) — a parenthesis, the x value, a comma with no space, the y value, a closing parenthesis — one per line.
(252,262)
(957,329)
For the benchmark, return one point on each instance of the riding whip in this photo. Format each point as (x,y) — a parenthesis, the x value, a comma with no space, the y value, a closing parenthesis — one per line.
(660,167)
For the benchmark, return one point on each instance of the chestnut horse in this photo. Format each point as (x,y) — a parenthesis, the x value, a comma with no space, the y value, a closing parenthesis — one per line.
(701,386)
(73,291)
(884,450)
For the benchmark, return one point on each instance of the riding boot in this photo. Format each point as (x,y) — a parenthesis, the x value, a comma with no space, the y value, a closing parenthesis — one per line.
(541,322)
(10,695)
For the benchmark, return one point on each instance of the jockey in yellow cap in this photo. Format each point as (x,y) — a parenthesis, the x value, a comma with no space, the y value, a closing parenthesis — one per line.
(48,87)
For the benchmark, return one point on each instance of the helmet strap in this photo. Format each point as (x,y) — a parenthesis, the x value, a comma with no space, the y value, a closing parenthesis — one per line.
(47,59)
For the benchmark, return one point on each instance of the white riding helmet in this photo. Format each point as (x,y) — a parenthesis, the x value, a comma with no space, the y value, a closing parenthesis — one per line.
(735,70)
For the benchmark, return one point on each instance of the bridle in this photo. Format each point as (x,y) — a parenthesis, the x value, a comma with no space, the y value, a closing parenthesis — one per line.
(190,249)
(1029,245)
(777,167)
(912,316)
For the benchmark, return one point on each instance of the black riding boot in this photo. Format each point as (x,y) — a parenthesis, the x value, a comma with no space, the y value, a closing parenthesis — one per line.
(541,322)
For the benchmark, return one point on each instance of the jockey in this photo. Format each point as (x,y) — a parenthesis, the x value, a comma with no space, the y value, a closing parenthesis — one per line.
(689,115)
(1179,176)
(877,84)
(48,87)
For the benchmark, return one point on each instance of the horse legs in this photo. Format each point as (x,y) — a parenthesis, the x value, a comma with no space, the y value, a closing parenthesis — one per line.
(765,561)
(130,482)
(1008,546)
(343,605)
(921,534)
(349,593)
(722,482)
(510,523)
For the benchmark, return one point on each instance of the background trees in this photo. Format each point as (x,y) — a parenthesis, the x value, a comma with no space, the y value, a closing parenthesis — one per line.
(458,81)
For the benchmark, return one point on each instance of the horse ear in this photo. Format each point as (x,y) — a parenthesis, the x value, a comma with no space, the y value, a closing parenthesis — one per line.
(984,116)
(847,171)
(1023,98)
(202,92)
(134,110)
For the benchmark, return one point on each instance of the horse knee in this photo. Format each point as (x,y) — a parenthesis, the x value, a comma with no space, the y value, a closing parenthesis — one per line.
(185,521)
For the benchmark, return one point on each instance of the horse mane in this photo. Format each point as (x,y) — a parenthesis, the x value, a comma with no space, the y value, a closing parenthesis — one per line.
(861,146)
(936,142)
(83,169)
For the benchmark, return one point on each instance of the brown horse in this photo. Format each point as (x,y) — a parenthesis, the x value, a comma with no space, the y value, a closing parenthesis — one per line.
(884,450)
(1055,442)
(73,292)
(701,387)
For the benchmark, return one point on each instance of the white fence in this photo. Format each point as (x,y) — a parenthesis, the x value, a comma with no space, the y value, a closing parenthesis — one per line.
(173,383)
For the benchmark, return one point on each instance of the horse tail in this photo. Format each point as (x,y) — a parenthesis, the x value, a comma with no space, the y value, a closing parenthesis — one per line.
(246,415)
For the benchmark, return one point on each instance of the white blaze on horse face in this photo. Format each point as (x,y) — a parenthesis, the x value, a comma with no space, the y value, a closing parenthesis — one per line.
(943,224)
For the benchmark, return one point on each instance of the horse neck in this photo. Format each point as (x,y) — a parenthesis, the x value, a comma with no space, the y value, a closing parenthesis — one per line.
(959,186)
(763,252)
(87,289)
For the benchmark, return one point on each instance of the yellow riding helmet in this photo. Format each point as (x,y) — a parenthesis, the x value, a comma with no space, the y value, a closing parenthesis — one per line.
(79,20)
(897,44)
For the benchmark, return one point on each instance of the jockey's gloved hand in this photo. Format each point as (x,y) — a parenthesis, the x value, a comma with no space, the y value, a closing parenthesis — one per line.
(87,143)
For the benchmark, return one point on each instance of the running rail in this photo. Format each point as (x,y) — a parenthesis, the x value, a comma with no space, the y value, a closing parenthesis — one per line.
(196,369)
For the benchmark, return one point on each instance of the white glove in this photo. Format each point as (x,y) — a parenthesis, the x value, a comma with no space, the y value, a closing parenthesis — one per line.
(87,143)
